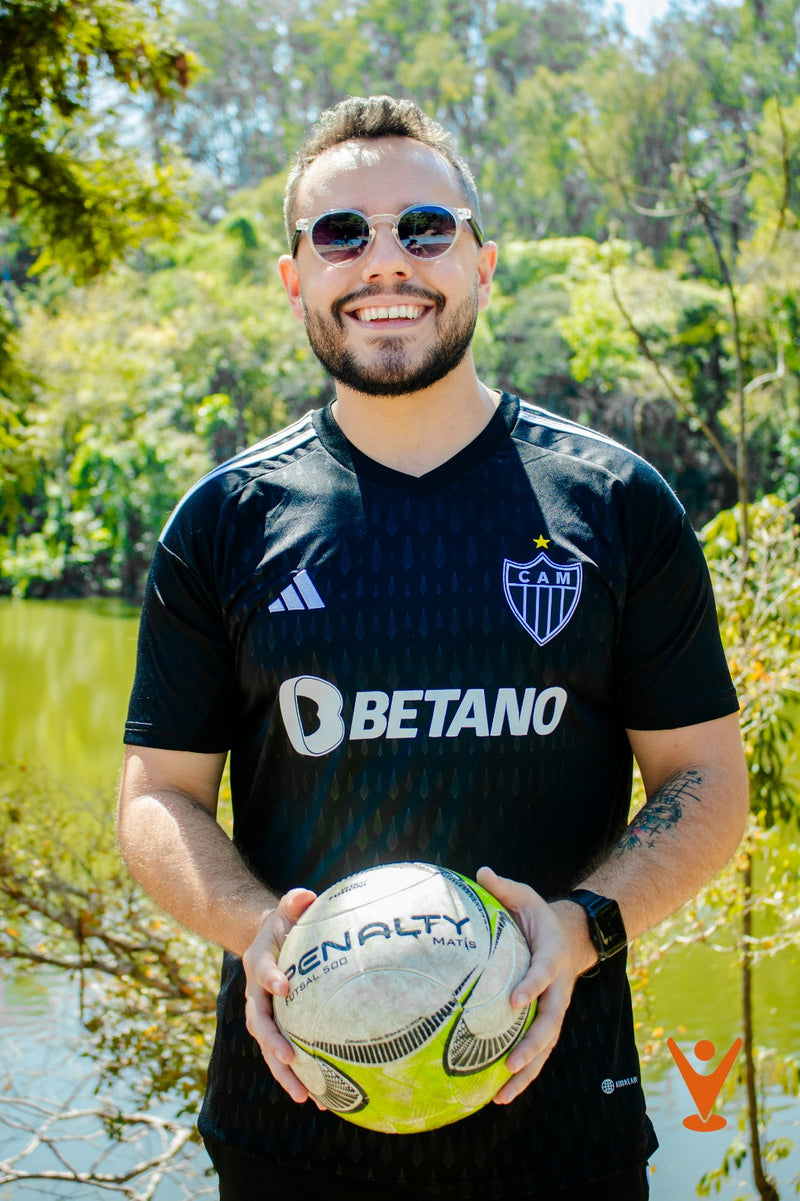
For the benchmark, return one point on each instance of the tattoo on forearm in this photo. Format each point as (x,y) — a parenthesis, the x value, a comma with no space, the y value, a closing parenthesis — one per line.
(663,810)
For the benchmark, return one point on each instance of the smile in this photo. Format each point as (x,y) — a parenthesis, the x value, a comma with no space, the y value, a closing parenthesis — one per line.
(409,312)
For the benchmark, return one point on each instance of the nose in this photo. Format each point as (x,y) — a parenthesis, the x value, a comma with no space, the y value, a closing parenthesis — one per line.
(385,258)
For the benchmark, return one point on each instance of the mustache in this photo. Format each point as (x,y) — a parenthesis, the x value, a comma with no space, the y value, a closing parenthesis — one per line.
(371,290)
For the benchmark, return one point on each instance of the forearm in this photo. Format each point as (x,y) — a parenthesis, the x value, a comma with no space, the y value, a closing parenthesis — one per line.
(670,849)
(183,858)
(684,833)
(696,784)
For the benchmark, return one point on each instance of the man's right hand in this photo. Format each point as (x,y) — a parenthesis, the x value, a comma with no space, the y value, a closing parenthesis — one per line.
(265,980)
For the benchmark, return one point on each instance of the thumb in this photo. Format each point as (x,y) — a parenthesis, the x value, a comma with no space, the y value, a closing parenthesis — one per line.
(511,893)
(489,879)
(295,902)
(261,957)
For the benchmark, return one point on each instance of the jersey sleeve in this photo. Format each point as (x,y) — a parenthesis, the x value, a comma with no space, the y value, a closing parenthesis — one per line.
(671,669)
(183,695)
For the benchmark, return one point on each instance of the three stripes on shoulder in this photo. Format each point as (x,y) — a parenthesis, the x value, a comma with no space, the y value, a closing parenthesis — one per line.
(299,594)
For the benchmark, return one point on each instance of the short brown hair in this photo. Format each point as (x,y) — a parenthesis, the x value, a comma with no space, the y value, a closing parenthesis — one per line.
(375,117)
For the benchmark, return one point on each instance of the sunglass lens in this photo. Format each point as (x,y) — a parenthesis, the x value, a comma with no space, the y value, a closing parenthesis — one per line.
(340,237)
(427,231)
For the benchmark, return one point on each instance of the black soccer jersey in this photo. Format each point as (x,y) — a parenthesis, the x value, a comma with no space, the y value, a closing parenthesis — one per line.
(442,669)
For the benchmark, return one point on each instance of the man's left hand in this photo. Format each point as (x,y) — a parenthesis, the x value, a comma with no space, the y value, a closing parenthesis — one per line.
(558,956)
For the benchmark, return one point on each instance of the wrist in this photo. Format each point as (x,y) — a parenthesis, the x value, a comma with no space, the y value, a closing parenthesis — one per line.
(604,922)
(576,928)
(247,915)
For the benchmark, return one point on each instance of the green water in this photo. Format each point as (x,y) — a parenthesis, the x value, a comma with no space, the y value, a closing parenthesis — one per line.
(65,674)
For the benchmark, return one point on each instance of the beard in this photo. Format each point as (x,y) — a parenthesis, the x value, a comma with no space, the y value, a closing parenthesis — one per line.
(391,370)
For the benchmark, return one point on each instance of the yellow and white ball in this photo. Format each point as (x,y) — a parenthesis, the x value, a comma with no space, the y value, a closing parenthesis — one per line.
(399,1005)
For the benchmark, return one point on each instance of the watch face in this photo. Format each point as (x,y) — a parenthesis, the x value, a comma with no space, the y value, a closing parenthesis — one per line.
(609,927)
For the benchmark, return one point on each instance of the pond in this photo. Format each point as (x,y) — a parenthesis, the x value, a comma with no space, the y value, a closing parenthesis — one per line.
(65,672)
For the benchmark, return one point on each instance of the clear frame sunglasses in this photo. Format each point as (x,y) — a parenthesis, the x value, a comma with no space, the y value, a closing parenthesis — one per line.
(424,231)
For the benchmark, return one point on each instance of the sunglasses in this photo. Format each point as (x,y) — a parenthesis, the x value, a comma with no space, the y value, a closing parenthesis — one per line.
(424,231)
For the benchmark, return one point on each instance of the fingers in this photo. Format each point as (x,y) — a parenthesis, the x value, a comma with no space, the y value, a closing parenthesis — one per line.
(549,979)
(291,905)
(530,1055)
(528,908)
(277,1052)
(264,979)
(549,959)
(261,957)
(295,902)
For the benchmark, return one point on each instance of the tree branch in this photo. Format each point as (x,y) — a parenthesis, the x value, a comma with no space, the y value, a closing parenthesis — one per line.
(686,408)
(137,1182)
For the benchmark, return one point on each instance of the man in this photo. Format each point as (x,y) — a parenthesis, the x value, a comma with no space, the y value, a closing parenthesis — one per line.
(428,622)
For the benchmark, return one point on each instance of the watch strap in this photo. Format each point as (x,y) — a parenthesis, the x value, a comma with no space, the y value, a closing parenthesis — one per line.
(584,897)
(606,927)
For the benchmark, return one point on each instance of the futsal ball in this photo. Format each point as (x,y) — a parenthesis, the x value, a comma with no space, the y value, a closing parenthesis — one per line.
(399,1008)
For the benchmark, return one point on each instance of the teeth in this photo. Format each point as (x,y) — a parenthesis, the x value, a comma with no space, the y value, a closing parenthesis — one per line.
(409,311)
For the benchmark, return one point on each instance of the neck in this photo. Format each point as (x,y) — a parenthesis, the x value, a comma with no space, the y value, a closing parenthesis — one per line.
(417,432)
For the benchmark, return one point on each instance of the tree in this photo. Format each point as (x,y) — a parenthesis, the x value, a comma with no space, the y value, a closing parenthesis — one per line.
(77,195)
(232,123)
(759,587)
(147,1002)
(139,384)
(65,174)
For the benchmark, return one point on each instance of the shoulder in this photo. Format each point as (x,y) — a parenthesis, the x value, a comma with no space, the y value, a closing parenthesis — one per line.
(578,459)
(229,482)
(584,477)
(579,444)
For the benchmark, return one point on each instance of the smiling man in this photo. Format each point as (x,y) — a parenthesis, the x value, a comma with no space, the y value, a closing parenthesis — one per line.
(428,621)
(393,312)
(393,334)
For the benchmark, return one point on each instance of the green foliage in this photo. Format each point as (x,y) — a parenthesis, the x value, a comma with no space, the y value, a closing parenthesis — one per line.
(17,468)
(758,604)
(734,1157)
(775,145)
(750,910)
(524,350)
(758,596)
(140,388)
(79,195)
(147,986)
(111,397)
(63,171)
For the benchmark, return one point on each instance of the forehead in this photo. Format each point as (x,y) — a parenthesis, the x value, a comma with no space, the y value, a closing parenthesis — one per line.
(378,175)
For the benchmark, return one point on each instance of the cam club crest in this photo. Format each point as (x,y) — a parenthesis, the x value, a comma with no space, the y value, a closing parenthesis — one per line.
(542,595)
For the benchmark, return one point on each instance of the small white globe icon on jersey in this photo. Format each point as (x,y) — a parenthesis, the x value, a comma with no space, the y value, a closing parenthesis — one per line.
(608,1086)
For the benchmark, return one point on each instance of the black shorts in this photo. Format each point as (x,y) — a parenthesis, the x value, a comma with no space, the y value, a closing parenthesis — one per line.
(244,1177)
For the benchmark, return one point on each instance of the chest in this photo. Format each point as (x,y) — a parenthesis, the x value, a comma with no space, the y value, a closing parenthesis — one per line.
(476,586)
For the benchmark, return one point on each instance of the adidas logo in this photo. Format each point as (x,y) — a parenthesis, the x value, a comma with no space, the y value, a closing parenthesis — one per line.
(300,594)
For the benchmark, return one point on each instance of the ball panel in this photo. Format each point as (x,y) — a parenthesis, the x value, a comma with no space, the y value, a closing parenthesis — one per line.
(404,1009)
(468,1051)
(488,1003)
(328,1083)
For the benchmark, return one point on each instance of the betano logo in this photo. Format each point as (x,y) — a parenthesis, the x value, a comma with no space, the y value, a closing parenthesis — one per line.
(313,712)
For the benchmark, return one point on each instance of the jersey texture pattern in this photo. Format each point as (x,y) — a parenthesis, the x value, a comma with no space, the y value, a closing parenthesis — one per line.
(442,669)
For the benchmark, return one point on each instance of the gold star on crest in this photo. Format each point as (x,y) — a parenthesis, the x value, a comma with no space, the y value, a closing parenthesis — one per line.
(541,542)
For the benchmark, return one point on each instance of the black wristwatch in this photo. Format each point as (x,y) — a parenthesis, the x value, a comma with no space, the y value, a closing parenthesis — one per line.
(606,927)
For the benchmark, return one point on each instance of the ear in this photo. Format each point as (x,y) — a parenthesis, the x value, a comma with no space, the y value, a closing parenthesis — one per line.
(291,282)
(487,261)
